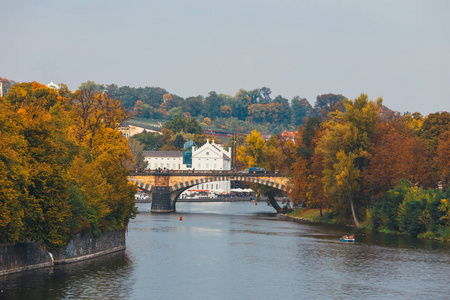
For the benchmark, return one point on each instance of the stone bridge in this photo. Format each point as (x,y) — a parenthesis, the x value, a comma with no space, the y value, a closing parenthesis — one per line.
(165,187)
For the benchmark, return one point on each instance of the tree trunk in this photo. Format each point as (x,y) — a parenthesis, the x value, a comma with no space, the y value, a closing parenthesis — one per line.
(274,203)
(353,213)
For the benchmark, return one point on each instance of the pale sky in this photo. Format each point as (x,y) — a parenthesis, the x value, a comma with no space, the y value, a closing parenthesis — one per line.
(399,50)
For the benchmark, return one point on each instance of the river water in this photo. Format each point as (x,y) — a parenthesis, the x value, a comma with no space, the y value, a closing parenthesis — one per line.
(244,251)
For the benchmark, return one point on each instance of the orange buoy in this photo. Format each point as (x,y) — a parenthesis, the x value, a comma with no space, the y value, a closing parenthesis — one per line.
(256,203)
(181,218)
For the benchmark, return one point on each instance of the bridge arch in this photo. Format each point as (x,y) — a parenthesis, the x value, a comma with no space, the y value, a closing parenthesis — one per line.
(258,180)
(166,188)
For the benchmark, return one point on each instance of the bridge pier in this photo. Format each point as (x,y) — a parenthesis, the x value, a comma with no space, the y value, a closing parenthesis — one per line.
(161,200)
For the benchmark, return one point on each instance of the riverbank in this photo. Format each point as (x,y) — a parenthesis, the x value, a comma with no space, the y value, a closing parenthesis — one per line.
(27,256)
(311,215)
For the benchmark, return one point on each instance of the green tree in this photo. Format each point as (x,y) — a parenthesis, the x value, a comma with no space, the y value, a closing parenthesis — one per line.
(137,150)
(91,86)
(344,148)
(150,140)
(179,124)
(434,125)
(300,110)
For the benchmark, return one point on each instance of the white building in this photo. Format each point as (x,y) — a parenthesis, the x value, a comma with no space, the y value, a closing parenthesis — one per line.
(169,160)
(130,130)
(53,85)
(210,156)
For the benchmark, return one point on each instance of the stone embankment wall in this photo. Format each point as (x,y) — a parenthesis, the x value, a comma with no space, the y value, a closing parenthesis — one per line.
(27,256)
(87,246)
(23,257)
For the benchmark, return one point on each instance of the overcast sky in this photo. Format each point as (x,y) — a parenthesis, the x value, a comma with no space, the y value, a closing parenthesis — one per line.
(399,50)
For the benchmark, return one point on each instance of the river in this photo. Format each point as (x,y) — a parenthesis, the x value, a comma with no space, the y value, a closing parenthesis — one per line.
(244,251)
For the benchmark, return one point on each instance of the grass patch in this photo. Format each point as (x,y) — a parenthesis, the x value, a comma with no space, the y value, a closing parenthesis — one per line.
(313,214)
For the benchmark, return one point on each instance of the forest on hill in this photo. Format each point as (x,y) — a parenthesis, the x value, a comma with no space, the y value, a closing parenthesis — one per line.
(245,111)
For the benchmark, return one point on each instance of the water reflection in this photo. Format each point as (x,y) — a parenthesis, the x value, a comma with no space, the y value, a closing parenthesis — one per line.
(107,277)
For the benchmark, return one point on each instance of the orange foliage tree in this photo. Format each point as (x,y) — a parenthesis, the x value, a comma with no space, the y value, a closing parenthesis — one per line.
(61,165)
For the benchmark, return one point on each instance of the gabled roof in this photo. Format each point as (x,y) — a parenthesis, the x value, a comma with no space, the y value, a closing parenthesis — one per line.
(209,147)
(171,154)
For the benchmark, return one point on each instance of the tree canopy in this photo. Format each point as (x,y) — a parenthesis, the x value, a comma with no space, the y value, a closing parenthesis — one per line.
(61,165)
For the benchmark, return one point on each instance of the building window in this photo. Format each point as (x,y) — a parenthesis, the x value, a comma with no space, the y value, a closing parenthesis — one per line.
(215,166)
(207,166)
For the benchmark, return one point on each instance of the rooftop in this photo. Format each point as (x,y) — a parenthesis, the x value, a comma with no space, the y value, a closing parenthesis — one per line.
(163,154)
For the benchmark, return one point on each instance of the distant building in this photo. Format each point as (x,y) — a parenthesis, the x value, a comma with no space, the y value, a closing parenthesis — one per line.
(52,85)
(288,136)
(169,160)
(130,130)
(210,156)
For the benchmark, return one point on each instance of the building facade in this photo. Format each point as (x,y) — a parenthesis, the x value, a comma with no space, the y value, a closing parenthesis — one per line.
(168,160)
(209,157)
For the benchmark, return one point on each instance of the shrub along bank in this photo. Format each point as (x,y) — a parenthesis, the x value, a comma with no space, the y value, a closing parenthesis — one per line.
(406,209)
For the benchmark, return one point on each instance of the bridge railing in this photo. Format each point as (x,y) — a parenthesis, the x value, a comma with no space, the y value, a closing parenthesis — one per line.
(143,172)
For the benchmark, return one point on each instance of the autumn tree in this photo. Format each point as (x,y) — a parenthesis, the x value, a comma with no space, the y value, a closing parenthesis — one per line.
(225,111)
(434,125)
(344,148)
(137,150)
(443,159)
(138,109)
(308,166)
(252,154)
(396,152)
(328,103)
(13,176)
(69,174)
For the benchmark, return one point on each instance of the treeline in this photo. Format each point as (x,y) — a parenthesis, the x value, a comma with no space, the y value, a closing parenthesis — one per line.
(243,112)
(63,165)
(353,161)
(350,161)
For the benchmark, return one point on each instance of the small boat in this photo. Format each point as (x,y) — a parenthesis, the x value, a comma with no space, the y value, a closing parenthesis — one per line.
(348,239)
